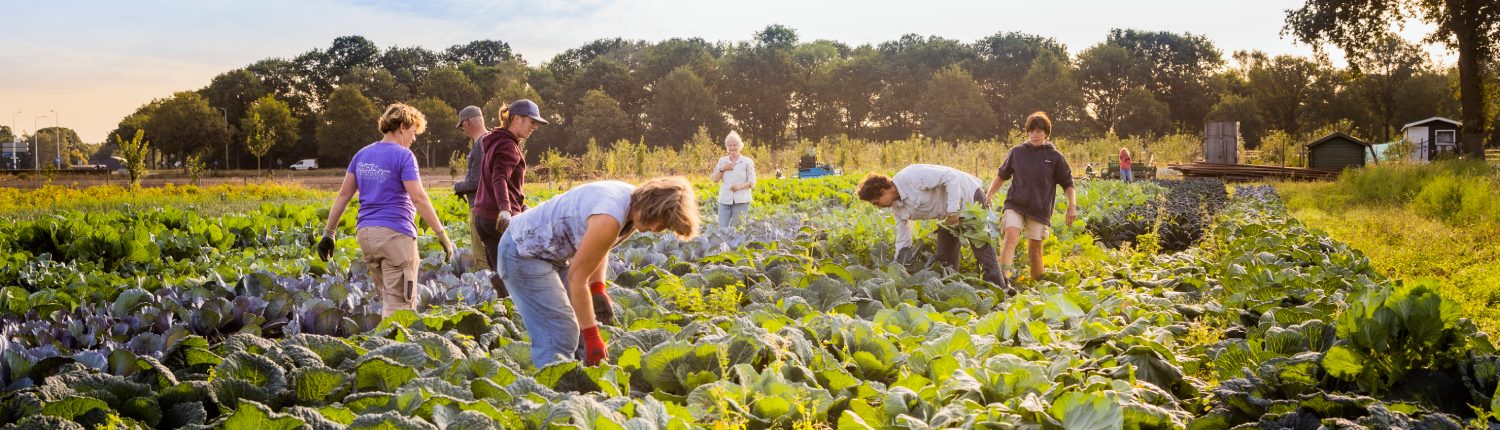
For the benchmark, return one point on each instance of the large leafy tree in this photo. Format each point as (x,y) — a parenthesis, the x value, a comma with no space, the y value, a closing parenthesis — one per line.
(682,103)
(451,86)
(268,124)
(1001,61)
(378,84)
(1142,115)
(759,81)
(816,114)
(507,77)
(49,139)
(954,108)
(1470,27)
(233,92)
(600,118)
(662,58)
(909,63)
(480,52)
(1049,87)
(443,135)
(1289,90)
(185,123)
(851,86)
(1106,73)
(1379,75)
(409,64)
(348,124)
(1181,67)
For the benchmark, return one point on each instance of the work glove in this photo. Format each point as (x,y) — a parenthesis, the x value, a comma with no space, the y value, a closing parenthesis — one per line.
(462,195)
(502,222)
(604,308)
(447,249)
(325,248)
(594,350)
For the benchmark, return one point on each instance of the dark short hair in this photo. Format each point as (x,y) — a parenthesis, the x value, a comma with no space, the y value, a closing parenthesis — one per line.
(873,186)
(1038,121)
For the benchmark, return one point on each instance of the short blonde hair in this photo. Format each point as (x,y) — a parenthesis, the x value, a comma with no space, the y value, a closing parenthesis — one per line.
(671,201)
(398,116)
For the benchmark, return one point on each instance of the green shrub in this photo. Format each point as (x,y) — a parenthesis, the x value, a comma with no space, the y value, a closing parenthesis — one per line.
(1424,186)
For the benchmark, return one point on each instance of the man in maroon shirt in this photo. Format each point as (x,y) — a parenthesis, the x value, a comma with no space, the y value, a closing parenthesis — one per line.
(504,172)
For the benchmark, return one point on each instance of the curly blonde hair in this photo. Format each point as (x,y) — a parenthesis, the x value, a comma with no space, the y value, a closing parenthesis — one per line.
(398,116)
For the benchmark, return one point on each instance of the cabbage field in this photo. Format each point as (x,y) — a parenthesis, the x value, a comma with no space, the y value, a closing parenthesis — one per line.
(1175,304)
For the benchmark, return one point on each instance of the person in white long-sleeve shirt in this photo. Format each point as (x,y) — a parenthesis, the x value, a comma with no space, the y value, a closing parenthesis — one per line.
(927,192)
(735,174)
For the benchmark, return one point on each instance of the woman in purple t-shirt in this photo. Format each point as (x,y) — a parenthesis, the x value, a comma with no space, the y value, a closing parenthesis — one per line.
(390,191)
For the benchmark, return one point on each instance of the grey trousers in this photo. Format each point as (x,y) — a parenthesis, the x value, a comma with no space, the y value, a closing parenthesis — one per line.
(947,250)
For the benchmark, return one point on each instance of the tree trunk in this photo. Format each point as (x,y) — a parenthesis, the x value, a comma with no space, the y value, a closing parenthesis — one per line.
(1470,79)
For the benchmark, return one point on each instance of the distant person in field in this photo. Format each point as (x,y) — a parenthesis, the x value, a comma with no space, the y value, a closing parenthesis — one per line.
(554,258)
(924,192)
(1037,169)
(384,174)
(502,174)
(735,174)
(1125,174)
(471,120)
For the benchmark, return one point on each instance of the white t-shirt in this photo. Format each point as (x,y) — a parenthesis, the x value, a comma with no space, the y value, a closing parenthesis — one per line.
(929,191)
(743,172)
(552,230)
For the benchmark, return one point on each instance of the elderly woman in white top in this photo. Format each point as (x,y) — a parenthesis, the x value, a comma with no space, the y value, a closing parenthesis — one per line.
(735,174)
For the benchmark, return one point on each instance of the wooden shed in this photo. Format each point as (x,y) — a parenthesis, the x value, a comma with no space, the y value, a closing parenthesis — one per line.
(1431,137)
(1337,151)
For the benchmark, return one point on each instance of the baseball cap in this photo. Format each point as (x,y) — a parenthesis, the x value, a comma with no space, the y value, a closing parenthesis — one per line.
(524,107)
(468,112)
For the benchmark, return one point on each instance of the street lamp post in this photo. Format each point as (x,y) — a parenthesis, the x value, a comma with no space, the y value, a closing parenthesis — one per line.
(225,114)
(15,159)
(57,130)
(36,161)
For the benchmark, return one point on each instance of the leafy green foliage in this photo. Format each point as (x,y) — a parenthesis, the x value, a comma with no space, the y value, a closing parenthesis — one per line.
(801,319)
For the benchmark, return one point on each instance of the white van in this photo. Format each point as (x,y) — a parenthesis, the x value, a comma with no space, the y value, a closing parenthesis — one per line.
(305,164)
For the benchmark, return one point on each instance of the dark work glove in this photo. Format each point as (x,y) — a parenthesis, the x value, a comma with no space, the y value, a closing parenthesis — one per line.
(325,248)
(604,308)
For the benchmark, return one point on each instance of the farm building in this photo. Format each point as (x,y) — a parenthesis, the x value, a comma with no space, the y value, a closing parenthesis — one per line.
(1431,136)
(1337,151)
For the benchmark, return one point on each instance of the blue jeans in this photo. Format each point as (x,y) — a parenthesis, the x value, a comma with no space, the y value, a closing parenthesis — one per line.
(732,213)
(1126,176)
(539,289)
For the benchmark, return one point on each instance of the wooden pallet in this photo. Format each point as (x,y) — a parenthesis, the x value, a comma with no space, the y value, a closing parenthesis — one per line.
(1251,172)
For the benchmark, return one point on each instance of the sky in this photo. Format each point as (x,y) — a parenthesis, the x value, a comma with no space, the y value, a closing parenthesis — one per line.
(86,64)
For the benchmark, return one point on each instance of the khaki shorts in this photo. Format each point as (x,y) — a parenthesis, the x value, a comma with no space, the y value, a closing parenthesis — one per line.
(392,260)
(1030,228)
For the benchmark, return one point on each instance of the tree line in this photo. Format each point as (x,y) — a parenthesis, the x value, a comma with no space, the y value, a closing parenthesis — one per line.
(778,90)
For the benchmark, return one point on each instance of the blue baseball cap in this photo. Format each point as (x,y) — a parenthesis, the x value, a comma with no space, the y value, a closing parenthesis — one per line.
(527,108)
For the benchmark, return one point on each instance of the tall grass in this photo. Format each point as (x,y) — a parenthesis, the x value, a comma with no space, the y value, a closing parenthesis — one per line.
(1439,220)
(216,199)
(981,158)
(1457,192)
